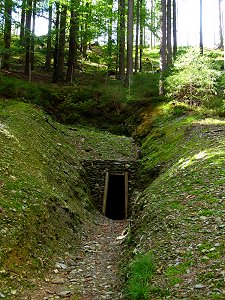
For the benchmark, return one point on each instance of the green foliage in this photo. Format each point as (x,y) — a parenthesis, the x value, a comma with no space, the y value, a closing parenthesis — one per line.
(169,135)
(141,271)
(173,272)
(195,80)
(14,88)
(145,86)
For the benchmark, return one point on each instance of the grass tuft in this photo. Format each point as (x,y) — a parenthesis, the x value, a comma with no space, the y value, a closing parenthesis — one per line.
(141,271)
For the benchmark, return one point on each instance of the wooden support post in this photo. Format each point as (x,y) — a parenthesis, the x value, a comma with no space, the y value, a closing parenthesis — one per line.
(126,193)
(105,193)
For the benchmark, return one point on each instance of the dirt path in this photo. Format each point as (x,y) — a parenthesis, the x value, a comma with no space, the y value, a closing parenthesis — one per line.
(92,274)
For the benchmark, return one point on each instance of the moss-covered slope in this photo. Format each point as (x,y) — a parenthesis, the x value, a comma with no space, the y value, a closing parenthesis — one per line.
(179,218)
(44,195)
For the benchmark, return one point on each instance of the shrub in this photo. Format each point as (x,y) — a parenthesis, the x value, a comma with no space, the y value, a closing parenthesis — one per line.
(195,80)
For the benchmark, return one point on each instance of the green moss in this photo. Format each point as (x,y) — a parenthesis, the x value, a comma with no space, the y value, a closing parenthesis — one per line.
(95,144)
(183,206)
(173,272)
(43,195)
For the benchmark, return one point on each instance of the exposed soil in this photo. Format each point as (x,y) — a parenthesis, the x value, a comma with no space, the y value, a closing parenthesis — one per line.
(91,274)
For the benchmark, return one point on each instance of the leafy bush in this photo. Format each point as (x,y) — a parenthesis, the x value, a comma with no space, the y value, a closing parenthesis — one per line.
(195,80)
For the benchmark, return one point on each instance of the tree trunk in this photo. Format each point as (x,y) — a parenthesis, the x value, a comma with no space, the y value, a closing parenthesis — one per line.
(163,36)
(201,32)
(137,36)
(174,29)
(85,32)
(141,34)
(224,31)
(56,43)
(163,64)
(220,26)
(110,31)
(22,21)
(121,39)
(49,41)
(33,33)
(28,39)
(7,34)
(62,41)
(169,35)
(130,42)
(152,23)
(72,41)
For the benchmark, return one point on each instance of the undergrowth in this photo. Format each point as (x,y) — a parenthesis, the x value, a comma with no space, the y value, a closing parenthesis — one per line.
(101,102)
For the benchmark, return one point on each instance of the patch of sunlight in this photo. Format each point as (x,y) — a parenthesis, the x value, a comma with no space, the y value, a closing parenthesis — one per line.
(91,63)
(202,155)
(210,121)
(165,106)
(184,164)
(6,132)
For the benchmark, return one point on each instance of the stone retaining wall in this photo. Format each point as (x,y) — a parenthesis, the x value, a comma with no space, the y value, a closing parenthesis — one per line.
(96,172)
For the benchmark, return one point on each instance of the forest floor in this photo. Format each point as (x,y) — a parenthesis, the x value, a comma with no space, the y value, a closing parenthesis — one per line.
(91,273)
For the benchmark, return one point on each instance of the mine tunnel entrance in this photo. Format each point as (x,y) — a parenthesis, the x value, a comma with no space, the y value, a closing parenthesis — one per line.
(116,196)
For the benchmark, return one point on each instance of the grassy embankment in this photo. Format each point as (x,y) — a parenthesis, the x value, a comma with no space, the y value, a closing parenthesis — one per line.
(44,195)
(176,241)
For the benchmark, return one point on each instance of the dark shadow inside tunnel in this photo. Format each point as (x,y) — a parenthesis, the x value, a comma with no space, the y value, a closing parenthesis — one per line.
(115,198)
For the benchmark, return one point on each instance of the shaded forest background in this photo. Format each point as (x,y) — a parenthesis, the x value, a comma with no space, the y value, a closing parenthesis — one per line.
(76,28)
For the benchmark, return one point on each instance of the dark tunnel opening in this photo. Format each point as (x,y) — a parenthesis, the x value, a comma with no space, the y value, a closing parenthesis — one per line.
(116,197)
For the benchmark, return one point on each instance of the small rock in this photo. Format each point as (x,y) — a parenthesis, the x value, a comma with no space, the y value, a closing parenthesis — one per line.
(58,280)
(218,220)
(199,286)
(61,266)
(203,218)
(65,294)
(13,292)
(205,257)
(73,273)
(2,295)
(71,262)
(212,249)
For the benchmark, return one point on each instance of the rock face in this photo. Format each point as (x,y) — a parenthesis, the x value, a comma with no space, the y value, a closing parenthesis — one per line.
(96,173)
